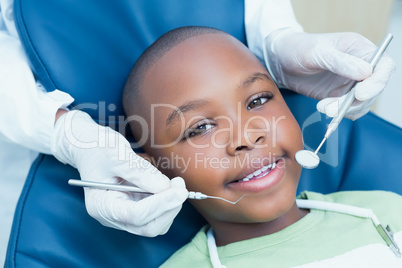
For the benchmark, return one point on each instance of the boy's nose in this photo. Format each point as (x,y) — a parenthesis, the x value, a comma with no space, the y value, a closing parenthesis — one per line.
(247,139)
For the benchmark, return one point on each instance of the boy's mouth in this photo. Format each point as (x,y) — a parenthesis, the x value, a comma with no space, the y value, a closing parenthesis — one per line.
(259,173)
(261,179)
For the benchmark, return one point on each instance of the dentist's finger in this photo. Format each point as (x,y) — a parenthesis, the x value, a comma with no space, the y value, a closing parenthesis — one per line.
(372,86)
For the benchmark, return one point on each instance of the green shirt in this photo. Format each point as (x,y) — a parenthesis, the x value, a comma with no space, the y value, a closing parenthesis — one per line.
(320,239)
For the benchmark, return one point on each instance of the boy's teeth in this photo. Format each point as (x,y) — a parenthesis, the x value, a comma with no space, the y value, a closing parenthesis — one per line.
(258,172)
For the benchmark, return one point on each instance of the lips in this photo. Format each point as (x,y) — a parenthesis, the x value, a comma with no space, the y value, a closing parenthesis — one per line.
(261,179)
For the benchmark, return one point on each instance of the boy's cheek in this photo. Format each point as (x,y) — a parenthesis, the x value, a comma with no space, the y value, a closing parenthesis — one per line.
(173,164)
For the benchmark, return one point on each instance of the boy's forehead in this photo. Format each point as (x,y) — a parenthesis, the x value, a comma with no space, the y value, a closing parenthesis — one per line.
(196,63)
(202,49)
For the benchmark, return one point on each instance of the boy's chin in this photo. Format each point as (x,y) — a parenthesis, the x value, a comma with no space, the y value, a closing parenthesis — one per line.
(251,213)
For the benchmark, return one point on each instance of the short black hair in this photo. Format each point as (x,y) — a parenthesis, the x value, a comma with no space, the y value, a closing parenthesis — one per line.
(151,55)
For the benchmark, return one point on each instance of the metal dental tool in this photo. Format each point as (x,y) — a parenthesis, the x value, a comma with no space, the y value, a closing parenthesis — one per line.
(128,188)
(309,159)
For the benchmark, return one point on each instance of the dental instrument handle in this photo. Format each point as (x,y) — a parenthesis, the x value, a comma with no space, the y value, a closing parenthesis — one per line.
(107,186)
(380,50)
(128,188)
(125,188)
(350,97)
(333,125)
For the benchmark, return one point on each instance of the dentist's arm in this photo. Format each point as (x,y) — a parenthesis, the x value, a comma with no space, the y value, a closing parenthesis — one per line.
(27,112)
(321,66)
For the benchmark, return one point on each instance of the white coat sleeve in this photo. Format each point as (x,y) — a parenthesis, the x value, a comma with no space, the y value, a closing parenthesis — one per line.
(262,17)
(27,112)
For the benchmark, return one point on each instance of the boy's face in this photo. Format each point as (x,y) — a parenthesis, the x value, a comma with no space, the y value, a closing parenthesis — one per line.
(218,118)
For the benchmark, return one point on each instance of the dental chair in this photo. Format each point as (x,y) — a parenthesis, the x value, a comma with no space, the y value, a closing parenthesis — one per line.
(87,48)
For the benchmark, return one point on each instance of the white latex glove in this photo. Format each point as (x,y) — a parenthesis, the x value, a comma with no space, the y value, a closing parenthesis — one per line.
(324,67)
(104,155)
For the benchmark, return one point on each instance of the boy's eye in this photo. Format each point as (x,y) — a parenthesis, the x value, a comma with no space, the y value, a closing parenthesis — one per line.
(259,100)
(198,129)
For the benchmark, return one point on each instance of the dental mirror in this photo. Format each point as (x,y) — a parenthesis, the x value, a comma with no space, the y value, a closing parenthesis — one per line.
(307,159)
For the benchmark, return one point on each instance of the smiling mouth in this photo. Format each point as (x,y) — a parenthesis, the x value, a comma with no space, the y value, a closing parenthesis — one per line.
(259,173)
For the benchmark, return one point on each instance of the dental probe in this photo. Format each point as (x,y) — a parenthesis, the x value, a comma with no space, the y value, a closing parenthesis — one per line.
(128,188)
(308,159)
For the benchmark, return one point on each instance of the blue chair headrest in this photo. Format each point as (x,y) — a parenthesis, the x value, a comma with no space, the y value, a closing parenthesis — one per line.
(88,52)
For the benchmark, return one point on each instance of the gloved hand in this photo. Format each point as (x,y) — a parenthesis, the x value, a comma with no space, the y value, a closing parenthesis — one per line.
(324,67)
(104,155)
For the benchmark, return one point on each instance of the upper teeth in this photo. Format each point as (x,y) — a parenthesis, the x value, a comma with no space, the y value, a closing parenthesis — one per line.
(258,172)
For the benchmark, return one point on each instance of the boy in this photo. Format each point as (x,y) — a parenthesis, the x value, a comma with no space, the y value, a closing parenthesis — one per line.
(213,106)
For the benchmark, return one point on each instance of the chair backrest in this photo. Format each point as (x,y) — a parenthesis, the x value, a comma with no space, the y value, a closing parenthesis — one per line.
(100,40)
(87,48)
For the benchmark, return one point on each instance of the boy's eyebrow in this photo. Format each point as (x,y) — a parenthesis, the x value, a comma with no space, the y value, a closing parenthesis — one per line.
(254,77)
(186,107)
(191,105)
